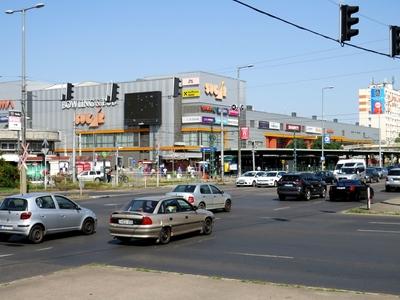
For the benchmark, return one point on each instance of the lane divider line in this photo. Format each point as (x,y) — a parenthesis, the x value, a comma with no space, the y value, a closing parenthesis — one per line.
(281,208)
(381,231)
(44,249)
(384,223)
(262,255)
(5,255)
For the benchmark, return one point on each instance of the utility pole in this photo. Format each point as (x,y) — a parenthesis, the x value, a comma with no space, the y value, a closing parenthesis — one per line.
(222,146)
(253,154)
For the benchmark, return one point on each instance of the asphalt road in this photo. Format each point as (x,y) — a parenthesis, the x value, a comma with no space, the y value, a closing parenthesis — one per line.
(262,238)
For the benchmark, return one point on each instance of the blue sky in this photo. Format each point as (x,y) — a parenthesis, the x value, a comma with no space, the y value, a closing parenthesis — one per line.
(122,40)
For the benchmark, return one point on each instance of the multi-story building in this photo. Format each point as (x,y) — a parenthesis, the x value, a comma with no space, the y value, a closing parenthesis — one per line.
(379,107)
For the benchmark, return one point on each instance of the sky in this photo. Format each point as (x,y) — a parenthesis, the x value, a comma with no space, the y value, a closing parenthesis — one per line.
(123,40)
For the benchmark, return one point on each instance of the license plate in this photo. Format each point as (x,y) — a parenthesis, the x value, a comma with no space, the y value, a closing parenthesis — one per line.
(125,222)
(341,187)
(6,227)
(288,184)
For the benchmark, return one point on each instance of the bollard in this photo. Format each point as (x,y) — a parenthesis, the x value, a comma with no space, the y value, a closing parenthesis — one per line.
(368,198)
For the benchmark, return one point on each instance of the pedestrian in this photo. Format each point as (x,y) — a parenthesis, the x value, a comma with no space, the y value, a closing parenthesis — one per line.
(109,175)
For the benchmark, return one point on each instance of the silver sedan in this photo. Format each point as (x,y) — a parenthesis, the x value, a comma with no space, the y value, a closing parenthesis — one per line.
(159,218)
(35,215)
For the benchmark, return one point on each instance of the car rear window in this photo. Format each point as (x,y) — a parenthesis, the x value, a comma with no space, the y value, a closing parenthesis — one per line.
(290,177)
(348,182)
(14,204)
(184,188)
(394,172)
(140,205)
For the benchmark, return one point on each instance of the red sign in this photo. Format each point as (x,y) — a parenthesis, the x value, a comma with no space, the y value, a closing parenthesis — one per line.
(244,133)
(293,128)
(206,108)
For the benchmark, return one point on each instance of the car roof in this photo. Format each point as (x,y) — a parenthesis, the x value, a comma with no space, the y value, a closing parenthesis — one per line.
(29,195)
(155,197)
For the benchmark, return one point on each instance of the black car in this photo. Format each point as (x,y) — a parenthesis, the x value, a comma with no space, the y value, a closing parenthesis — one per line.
(371,175)
(352,190)
(301,185)
(326,176)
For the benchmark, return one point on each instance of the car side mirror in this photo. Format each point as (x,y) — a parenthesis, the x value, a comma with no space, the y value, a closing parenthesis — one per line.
(195,207)
(78,207)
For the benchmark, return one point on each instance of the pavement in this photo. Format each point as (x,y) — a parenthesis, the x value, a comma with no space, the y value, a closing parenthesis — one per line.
(388,207)
(109,282)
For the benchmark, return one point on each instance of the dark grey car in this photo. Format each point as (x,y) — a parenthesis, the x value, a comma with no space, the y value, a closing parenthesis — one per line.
(301,185)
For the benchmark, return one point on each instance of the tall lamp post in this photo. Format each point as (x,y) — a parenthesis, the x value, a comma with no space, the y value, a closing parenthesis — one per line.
(240,117)
(23,186)
(323,129)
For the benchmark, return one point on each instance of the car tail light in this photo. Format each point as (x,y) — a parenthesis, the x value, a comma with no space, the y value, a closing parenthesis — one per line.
(113,220)
(191,199)
(147,221)
(352,188)
(25,215)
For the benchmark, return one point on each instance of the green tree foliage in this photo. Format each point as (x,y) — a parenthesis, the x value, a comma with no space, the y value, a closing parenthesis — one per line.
(9,175)
(331,145)
(300,144)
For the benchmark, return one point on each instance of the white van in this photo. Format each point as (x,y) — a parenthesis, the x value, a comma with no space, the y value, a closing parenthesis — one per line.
(353,168)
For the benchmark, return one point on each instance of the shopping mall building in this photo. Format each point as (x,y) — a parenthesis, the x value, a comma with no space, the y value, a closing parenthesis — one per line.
(177,118)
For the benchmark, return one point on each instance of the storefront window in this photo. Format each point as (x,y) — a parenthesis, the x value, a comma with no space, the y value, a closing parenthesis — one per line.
(87,141)
(105,140)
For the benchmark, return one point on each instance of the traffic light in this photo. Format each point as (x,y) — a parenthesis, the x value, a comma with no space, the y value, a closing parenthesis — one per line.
(70,91)
(346,21)
(395,41)
(177,87)
(114,92)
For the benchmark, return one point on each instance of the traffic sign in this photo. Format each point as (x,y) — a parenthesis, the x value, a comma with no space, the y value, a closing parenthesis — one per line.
(327,139)
(24,156)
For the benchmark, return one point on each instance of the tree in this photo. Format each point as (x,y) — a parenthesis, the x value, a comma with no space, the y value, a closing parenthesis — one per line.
(300,144)
(9,176)
(332,145)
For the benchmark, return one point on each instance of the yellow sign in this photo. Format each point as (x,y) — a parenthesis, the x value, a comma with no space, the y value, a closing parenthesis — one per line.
(190,93)
(93,120)
(218,91)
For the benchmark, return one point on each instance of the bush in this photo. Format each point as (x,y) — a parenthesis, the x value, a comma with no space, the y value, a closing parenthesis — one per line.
(9,174)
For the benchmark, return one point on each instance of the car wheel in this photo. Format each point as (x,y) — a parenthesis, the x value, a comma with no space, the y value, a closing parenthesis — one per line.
(207,226)
(123,239)
(307,194)
(36,235)
(97,179)
(165,235)
(88,227)
(254,184)
(228,205)
(282,197)
(387,188)
(323,193)
(202,205)
(4,237)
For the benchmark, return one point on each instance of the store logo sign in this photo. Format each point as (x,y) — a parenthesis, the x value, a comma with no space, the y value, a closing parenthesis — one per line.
(218,91)
(6,104)
(93,120)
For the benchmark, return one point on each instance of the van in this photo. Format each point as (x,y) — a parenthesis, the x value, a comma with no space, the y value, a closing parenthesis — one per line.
(351,169)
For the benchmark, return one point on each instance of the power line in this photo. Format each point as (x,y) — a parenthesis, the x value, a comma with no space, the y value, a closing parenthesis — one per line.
(310,31)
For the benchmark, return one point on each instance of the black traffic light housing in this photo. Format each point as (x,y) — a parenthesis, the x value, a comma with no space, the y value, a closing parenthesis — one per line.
(347,21)
(177,87)
(70,91)
(394,40)
(114,93)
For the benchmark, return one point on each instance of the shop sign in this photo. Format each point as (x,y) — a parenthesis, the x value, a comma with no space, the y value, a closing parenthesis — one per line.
(224,110)
(274,125)
(218,121)
(190,81)
(244,133)
(207,120)
(206,108)
(329,130)
(191,94)
(311,129)
(93,120)
(293,128)
(263,124)
(233,122)
(233,113)
(6,104)
(218,91)
(191,119)
(86,103)
(14,120)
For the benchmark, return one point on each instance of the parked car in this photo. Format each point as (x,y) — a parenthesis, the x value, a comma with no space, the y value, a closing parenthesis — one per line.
(159,218)
(326,176)
(392,180)
(91,176)
(203,195)
(35,215)
(269,178)
(301,185)
(383,172)
(248,178)
(353,190)
(371,175)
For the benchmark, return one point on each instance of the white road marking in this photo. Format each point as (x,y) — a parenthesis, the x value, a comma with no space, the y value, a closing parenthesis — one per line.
(111,204)
(385,223)
(217,218)
(44,249)
(281,208)
(262,255)
(382,231)
(5,255)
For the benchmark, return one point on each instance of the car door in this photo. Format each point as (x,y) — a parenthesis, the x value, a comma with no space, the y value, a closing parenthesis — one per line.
(172,216)
(219,199)
(192,221)
(206,196)
(48,213)
(70,216)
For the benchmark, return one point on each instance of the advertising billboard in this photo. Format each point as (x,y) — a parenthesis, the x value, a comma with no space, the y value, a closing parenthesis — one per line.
(377,101)
(244,133)
(293,128)
(142,109)
(274,125)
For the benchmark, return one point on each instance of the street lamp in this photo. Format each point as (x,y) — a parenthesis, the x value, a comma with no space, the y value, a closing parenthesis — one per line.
(240,117)
(23,11)
(323,128)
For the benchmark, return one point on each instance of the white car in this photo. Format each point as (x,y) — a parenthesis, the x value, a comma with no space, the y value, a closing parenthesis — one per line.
(248,178)
(269,178)
(91,176)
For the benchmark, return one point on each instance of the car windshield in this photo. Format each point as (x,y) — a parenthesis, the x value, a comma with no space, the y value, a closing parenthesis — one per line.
(338,166)
(141,205)
(348,182)
(249,174)
(14,204)
(349,170)
(271,174)
(394,172)
(184,188)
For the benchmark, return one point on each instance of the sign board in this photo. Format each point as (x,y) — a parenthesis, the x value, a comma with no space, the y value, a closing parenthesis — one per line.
(274,125)
(14,120)
(191,93)
(311,129)
(191,119)
(190,81)
(293,128)
(377,101)
(244,133)
(327,139)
